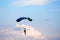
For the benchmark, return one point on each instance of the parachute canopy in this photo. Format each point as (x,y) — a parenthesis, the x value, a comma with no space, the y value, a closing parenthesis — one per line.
(22,18)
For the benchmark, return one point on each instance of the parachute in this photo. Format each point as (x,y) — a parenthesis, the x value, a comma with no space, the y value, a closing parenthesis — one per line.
(22,18)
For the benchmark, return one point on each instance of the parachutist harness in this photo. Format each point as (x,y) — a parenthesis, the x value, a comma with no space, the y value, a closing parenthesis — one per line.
(25,31)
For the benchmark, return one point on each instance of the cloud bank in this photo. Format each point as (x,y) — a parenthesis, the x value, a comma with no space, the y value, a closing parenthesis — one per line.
(31,2)
(11,34)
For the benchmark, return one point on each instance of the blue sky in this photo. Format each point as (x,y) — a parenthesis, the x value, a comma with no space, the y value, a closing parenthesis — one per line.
(45,14)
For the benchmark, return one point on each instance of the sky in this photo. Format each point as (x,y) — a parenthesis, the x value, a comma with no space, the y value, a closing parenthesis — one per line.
(45,15)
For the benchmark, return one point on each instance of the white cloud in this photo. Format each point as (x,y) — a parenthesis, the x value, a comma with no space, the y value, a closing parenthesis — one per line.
(30,2)
(11,34)
(31,31)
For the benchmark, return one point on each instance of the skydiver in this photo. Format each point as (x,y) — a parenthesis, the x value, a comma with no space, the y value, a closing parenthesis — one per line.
(25,31)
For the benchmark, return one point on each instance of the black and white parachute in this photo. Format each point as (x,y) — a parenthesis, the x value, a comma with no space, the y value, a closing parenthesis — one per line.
(22,18)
